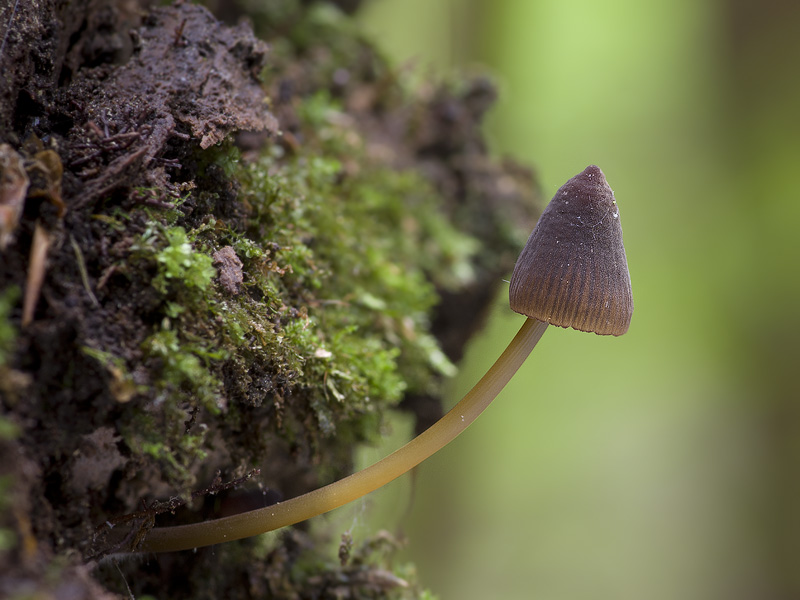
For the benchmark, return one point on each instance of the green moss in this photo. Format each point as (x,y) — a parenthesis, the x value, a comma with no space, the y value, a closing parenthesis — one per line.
(121,382)
(184,366)
(179,265)
(359,284)
(8,333)
(8,429)
(8,538)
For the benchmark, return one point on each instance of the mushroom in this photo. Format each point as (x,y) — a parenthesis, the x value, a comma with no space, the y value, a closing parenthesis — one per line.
(571,273)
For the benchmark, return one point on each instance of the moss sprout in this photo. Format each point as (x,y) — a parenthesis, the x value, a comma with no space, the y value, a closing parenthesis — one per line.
(8,332)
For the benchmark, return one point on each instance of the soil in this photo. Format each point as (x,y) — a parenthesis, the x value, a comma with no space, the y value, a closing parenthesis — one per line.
(106,110)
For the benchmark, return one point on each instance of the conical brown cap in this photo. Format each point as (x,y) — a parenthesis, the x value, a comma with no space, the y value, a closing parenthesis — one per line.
(573,271)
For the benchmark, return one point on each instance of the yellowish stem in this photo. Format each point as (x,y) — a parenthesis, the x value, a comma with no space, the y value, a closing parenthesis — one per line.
(334,495)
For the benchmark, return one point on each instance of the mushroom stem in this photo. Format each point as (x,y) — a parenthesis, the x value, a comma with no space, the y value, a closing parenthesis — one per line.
(334,495)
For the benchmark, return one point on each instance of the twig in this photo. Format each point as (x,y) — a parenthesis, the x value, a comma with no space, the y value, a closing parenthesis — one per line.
(82,269)
(142,521)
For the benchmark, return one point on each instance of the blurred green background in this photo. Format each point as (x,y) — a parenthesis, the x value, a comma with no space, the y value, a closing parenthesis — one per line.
(664,463)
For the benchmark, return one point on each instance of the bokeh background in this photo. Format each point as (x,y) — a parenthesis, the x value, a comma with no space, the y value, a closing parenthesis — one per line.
(664,463)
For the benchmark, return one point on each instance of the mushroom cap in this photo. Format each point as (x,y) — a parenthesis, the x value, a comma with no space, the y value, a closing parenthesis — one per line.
(573,271)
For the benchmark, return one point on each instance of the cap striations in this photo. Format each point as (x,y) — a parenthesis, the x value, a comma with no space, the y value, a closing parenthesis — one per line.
(573,271)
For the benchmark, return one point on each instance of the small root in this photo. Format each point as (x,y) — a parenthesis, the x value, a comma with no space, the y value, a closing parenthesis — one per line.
(36,272)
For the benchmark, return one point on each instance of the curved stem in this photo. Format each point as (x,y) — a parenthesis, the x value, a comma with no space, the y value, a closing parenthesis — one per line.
(334,495)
